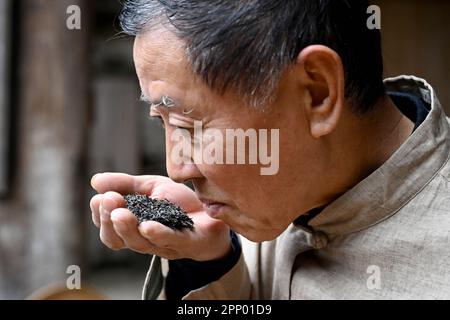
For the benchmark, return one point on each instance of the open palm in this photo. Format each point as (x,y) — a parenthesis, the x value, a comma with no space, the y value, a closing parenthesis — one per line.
(119,228)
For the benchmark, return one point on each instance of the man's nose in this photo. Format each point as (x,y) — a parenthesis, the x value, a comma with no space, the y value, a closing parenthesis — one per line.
(181,172)
(180,165)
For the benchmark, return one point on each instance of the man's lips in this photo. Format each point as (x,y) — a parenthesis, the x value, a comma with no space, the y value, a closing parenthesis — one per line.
(212,207)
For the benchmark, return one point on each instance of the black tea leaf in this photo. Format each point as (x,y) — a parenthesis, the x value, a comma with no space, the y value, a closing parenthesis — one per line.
(162,211)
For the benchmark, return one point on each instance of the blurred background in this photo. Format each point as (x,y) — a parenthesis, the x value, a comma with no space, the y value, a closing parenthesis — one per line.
(69,109)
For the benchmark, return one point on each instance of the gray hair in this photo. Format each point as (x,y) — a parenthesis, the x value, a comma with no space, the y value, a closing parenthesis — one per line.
(246,45)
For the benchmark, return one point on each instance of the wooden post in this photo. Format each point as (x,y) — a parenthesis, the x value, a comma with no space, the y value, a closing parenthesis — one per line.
(5,14)
(42,222)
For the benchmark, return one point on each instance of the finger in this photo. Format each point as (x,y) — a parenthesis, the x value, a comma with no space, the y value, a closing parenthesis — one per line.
(95,204)
(115,200)
(107,233)
(126,226)
(123,183)
(163,236)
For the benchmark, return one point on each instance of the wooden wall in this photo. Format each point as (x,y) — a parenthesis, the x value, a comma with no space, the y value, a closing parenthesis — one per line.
(416,40)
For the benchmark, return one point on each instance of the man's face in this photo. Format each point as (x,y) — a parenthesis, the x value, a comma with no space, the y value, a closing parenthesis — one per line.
(259,207)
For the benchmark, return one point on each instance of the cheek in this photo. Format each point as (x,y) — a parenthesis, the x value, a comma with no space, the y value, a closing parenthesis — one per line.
(229,178)
(239,183)
(251,194)
(258,203)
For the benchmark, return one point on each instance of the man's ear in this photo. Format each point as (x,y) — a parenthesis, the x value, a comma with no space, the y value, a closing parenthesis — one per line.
(324,83)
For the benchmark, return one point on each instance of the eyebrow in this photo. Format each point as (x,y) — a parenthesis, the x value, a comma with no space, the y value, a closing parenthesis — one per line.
(164,101)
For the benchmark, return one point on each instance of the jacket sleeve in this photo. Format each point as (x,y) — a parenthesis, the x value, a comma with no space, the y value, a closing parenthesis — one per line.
(234,285)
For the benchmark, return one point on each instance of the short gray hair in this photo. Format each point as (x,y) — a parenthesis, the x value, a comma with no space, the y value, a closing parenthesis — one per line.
(246,45)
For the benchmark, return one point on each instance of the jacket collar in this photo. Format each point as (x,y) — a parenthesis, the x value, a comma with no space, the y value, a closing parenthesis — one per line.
(399,179)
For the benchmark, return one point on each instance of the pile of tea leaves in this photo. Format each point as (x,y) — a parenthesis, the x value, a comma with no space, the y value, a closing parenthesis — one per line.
(162,211)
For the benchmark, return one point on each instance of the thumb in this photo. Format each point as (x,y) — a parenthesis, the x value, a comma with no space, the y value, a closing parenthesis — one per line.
(123,183)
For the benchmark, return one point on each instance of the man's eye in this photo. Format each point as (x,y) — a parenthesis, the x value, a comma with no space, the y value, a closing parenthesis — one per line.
(161,122)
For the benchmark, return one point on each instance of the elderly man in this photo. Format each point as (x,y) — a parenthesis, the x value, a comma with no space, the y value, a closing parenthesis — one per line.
(359,204)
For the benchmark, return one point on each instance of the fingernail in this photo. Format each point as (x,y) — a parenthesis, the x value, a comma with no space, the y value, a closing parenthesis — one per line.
(95,177)
(114,217)
(155,196)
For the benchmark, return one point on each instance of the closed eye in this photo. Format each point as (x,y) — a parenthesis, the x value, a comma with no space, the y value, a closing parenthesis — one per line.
(160,120)
(173,121)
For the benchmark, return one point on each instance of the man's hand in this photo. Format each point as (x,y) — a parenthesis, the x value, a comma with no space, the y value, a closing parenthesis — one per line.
(210,240)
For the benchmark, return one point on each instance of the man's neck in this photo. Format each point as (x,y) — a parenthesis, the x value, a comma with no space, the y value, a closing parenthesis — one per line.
(386,130)
(365,143)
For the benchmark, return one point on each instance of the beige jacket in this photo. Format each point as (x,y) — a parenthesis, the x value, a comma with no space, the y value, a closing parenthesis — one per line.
(386,238)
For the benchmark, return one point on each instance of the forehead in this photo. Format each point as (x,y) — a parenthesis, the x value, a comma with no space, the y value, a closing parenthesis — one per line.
(163,69)
(159,55)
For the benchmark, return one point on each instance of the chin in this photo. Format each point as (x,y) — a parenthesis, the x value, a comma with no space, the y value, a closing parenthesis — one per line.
(254,230)
(255,235)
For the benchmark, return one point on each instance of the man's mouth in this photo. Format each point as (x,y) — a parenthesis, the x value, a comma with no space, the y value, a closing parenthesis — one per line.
(212,208)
